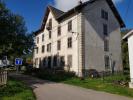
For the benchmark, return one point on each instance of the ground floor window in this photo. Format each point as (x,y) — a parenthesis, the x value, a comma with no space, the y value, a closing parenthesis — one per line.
(44,62)
(69,61)
(36,61)
(55,61)
(106,58)
(62,61)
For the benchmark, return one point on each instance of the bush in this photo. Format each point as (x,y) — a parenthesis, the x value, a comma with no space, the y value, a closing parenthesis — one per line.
(51,74)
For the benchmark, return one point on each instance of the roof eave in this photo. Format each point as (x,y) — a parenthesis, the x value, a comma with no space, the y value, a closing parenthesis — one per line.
(128,35)
(116,13)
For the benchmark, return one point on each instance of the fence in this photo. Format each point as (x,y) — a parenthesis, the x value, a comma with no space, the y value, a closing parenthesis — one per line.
(3,77)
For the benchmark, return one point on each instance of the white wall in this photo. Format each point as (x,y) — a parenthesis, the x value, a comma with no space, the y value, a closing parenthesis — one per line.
(130,48)
(94,38)
(65,51)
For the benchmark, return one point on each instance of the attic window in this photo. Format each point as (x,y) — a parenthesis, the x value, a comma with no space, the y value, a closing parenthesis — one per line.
(104,14)
(59,30)
(69,25)
(50,23)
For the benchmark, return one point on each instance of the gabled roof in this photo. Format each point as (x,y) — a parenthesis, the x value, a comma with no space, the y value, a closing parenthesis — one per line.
(128,35)
(116,13)
(56,13)
(60,15)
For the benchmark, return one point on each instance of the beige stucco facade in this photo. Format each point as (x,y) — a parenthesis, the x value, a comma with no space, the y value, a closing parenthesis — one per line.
(87,40)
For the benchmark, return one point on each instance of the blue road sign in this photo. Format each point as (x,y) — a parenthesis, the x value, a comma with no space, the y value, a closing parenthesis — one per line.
(18,61)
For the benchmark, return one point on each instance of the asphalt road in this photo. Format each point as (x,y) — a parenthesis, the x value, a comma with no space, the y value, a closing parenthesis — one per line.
(45,90)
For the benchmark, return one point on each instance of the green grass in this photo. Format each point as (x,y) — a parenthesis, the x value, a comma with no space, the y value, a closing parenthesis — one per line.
(107,84)
(98,84)
(16,90)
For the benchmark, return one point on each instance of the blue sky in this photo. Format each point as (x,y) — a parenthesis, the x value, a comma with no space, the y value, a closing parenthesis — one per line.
(33,11)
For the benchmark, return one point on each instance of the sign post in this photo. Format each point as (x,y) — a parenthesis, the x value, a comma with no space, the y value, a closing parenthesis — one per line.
(18,63)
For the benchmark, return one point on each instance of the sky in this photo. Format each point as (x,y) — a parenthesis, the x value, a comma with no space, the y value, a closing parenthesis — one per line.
(33,10)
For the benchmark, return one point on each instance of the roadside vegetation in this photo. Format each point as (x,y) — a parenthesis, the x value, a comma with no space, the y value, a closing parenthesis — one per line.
(16,90)
(108,84)
(115,84)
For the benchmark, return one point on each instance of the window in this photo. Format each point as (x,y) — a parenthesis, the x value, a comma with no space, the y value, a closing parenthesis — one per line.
(104,14)
(50,23)
(36,61)
(106,61)
(37,40)
(49,47)
(42,37)
(105,29)
(43,49)
(59,30)
(44,62)
(106,45)
(55,61)
(37,50)
(62,61)
(69,42)
(69,25)
(69,60)
(58,45)
(49,34)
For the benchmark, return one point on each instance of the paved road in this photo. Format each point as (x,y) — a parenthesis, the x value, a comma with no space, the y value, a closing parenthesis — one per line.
(45,90)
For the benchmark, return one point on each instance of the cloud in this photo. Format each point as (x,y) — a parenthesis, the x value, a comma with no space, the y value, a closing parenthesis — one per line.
(117,1)
(68,4)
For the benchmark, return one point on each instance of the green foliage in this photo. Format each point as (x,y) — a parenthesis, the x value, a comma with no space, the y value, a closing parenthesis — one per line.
(49,74)
(14,38)
(16,91)
(105,85)
(125,55)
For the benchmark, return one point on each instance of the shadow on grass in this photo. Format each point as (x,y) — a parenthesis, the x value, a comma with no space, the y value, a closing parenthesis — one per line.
(15,89)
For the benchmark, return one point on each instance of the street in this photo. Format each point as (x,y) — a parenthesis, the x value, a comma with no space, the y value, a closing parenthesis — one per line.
(45,90)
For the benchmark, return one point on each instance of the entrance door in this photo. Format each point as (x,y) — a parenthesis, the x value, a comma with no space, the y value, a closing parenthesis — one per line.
(49,62)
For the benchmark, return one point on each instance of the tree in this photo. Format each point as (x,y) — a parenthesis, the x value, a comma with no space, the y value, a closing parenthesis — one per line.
(125,55)
(13,33)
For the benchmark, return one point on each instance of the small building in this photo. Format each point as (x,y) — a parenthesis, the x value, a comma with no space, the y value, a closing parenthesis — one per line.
(129,38)
(83,38)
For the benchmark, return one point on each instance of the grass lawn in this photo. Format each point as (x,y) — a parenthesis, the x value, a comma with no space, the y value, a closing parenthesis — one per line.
(16,90)
(98,84)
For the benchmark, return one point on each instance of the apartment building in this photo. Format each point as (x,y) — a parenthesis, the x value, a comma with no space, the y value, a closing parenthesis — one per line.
(85,37)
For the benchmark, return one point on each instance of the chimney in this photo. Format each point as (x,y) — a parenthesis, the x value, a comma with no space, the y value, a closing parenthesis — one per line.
(80,2)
